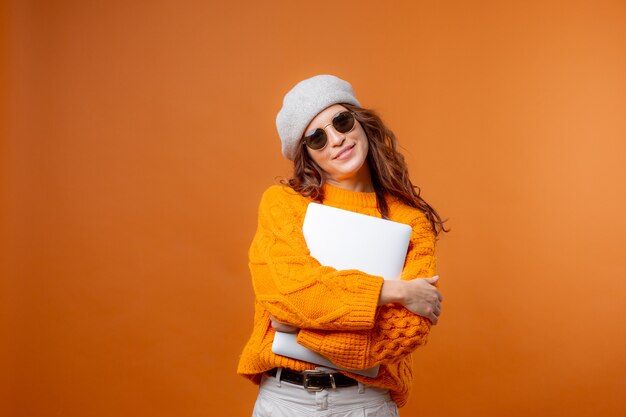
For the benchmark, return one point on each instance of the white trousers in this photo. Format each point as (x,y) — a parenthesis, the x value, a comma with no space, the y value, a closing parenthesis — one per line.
(282,399)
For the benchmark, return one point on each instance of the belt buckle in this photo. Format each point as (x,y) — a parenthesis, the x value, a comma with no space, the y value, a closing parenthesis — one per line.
(305,380)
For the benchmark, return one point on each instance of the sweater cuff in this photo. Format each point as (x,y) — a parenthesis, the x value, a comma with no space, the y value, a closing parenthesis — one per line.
(348,350)
(310,339)
(363,305)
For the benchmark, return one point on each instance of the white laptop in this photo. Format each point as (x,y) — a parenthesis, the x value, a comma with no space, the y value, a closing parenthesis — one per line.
(343,240)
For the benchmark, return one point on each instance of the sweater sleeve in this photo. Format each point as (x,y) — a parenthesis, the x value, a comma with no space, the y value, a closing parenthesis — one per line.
(397,331)
(292,285)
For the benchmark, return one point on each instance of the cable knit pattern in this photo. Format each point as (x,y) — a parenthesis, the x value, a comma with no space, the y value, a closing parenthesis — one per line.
(336,310)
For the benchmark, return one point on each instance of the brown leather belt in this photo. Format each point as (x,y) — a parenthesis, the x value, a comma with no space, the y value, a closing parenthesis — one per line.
(313,380)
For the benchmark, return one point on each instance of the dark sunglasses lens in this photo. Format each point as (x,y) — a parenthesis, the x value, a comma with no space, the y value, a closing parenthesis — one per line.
(343,122)
(316,140)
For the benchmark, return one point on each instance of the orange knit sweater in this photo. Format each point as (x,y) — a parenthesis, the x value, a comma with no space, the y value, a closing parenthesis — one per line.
(336,311)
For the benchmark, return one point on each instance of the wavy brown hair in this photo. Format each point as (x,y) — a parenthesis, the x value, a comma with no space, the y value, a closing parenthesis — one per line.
(388,170)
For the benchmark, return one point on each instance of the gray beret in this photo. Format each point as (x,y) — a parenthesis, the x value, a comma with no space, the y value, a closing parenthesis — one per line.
(303,102)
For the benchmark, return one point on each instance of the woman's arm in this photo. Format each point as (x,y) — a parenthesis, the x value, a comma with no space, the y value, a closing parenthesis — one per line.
(419,296)
(292,285)
(398,330)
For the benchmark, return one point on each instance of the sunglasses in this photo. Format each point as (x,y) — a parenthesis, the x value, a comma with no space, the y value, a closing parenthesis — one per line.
(344,122)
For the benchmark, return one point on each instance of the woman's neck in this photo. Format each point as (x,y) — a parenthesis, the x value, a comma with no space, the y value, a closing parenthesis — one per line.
(361,182)
(349,185)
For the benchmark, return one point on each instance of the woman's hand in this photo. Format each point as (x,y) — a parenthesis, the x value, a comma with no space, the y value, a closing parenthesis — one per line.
(282,327)
(419,296)
(423,298)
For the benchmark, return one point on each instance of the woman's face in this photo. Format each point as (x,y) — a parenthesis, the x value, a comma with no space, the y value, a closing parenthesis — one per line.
(345,156)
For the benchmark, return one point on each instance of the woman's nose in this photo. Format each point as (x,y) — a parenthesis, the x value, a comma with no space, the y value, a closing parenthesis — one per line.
(335,138)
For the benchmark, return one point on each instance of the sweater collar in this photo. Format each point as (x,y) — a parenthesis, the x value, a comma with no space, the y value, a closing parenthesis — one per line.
(342,197)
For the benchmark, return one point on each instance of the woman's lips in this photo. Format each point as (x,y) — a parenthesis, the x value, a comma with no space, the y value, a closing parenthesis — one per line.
(345,153)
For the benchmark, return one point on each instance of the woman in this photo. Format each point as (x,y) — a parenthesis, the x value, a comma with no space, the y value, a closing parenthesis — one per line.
(345,157)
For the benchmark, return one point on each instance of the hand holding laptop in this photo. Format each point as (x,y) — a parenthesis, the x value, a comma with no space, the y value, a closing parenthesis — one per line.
(344,240)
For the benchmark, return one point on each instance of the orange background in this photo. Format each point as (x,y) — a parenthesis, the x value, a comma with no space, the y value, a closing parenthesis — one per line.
(139,136)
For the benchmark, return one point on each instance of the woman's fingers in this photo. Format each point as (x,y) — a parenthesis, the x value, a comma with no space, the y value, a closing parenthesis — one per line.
(434,316)
(432,280)
(433,319)
(282,327)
